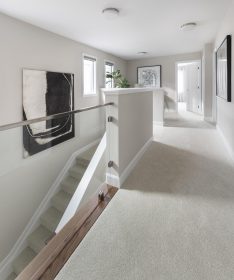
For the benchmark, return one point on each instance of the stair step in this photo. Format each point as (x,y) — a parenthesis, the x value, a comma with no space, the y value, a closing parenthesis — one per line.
(89,153)
(61,200)
(12,276)
(37,240)
(82,162)
(51,218)
(70,184)
(23,260)
(77,172)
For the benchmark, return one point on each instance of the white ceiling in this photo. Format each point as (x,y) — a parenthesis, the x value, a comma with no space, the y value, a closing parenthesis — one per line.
(143,25)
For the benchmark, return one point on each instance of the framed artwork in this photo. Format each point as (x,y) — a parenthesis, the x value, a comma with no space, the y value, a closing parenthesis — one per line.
(47,93)
(149,76)
(223,69)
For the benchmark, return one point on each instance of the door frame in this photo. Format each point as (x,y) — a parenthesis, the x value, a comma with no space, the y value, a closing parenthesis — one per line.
(176,80)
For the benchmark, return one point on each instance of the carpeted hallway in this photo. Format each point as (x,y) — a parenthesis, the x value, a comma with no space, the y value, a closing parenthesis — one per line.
(172,220)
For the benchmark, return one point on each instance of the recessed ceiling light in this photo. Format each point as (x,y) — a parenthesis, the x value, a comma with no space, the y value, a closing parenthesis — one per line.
(111,13)
(142,53)
(188,26)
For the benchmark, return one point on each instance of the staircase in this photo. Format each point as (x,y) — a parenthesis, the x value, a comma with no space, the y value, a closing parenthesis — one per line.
(52,216)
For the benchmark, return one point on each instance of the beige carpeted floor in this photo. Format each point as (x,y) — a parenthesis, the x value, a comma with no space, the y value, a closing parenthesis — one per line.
(174,217)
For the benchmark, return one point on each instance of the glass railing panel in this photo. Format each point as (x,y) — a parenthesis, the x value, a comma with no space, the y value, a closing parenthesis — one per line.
(41,167)
(90,124)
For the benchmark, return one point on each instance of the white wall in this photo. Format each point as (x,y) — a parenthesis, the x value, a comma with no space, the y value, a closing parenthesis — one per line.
(168,72)
(24,182)
(130,130)
(207,81)
(135,125)
(225,110)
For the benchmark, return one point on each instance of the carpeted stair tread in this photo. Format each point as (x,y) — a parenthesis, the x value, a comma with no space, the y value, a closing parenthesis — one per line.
(60,200)
(82,162)
(23,260)
(51,218)
(12,276)
(89,153)
(70,184)
(37,240)
(77,172)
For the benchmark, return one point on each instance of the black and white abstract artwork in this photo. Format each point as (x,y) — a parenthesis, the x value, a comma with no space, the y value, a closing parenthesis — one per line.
(47,93)
(149,76)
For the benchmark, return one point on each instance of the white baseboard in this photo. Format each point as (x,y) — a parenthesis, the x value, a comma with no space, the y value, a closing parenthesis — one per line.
(112,180)
(209,119)
(158,123)
(228,147)
(134,161)
(21,243)
(116,180)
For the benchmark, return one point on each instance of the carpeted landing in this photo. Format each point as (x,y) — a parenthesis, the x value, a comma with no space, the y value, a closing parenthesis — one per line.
(173,220)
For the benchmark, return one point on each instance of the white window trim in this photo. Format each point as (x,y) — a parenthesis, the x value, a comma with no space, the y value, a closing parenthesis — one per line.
(110,61)
(95,76)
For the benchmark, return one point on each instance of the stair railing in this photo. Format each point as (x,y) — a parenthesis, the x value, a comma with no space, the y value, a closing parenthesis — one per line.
(83,185)
(51,117)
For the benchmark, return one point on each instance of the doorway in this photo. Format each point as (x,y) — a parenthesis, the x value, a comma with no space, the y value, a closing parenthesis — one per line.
(189,89)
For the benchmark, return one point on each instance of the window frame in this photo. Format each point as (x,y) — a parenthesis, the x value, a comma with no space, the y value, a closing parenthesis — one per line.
(113,63)
(92,58)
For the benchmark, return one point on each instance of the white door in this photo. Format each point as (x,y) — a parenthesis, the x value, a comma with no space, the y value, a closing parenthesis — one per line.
(194,88)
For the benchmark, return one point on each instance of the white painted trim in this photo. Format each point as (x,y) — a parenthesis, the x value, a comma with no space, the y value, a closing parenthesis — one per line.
(209,119)
(115,180)
(120,91)
(112,180)
(158,123)
(110,61)
(228,147)
(21,243)
(104,65)
(91,94)
(176,82)
(134,161)
(83,185)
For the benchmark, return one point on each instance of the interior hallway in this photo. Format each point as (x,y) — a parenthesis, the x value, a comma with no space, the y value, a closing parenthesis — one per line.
(173,219)
(184,118)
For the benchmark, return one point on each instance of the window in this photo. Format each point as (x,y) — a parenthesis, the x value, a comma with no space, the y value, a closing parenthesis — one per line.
(89,75)
(109,68)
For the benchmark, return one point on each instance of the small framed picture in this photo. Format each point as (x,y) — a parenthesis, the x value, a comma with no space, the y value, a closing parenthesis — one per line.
(149,76)
(223,69)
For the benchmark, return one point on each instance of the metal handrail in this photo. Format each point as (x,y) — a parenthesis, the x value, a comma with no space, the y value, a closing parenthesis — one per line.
(51,117)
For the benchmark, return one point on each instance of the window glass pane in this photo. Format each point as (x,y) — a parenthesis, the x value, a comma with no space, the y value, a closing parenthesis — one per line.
(109,68)
(89,76)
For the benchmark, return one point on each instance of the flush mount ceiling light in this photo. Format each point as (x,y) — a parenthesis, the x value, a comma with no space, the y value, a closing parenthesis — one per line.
(188,26)
(142,53)
(110,13)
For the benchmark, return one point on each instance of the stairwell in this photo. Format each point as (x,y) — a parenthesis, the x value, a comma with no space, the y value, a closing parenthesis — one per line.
(52,216)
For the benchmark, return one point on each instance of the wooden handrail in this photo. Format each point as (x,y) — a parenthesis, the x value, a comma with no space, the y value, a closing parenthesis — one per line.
(40,264)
